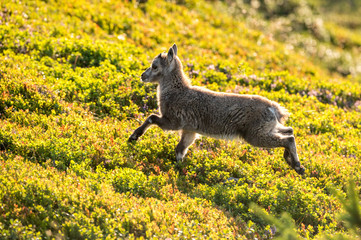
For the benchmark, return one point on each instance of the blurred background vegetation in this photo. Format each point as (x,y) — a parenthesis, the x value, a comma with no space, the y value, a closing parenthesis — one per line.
(329,32)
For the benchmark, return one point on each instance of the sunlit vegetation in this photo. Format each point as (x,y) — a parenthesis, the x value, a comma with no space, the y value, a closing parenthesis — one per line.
(70,96)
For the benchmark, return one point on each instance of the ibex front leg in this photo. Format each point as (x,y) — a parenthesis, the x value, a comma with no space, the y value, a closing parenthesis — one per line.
(162,122)
(186,140)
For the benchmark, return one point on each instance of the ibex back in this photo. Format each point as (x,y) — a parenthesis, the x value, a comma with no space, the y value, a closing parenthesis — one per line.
(193,110)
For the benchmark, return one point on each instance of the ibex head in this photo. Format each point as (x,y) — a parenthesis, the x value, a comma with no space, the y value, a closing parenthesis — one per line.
(161,65)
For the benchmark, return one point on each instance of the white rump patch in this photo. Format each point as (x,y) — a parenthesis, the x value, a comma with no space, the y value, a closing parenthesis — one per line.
(272,110)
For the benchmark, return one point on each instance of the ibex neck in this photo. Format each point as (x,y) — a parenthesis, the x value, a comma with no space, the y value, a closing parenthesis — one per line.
(173,81)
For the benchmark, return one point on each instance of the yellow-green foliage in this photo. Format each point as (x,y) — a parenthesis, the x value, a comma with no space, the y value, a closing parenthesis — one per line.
(70,96)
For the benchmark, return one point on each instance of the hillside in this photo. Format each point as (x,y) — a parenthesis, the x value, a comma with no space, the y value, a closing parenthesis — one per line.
(71,95)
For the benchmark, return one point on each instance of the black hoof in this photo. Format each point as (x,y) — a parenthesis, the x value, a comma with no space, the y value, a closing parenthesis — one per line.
(133,138)
(300,170)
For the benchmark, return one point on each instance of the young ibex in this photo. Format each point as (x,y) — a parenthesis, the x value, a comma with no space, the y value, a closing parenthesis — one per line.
(193,110)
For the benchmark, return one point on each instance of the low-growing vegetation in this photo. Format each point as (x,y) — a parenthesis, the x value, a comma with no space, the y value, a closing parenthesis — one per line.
(70,96)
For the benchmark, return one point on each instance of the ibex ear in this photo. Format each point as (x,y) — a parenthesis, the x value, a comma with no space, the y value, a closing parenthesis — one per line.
(170,55)
(175,49)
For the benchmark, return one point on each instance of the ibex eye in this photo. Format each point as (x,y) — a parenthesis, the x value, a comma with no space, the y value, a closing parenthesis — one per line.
(154,67)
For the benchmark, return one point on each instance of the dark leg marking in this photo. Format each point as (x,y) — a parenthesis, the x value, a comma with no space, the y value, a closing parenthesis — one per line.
(291,156)
(162,122)
(285,130)
(186,140)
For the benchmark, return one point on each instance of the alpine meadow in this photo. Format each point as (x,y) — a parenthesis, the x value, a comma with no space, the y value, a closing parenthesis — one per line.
(71,96)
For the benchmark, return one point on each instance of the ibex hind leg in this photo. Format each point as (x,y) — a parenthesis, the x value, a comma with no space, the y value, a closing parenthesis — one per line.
(285,130)
(290,153)
(187,139)
(276,139)
(291,156)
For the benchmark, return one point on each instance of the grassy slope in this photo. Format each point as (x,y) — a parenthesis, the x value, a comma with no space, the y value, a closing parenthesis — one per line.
(70,97)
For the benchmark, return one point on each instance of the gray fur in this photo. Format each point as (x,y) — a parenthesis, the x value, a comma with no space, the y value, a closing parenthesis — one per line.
(192,109)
